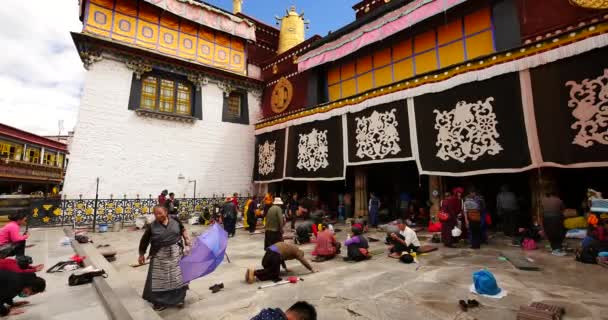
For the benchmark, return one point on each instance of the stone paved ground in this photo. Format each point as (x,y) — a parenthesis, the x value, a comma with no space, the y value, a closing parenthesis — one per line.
(59,301)
(383,288)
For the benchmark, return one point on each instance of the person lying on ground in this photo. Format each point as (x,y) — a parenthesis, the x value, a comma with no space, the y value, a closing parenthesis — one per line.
(275,256)
(17,284)
(299,311)
(406,240)
(357,245)
(326,247)
(11,242)
(20,265)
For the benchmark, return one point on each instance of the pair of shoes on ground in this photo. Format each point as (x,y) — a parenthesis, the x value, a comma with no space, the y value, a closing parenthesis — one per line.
(558,253)
(465,305)
(216,287)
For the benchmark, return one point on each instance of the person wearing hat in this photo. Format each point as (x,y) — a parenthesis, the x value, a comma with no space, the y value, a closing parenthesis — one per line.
(229,214)
(274,223)
(357,245)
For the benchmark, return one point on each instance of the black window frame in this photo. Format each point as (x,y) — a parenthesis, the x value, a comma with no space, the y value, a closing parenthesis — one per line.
(195,94)
(244,116)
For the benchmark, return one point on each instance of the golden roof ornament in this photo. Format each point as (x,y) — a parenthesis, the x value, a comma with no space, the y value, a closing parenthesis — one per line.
(591,4)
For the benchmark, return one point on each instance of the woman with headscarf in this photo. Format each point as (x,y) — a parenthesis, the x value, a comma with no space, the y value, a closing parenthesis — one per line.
(166,238)
(450,205)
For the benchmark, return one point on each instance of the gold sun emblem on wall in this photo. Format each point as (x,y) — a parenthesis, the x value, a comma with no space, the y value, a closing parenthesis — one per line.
(281,95)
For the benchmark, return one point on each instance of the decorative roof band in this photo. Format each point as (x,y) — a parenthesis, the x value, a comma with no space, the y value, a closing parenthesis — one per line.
(591,4)
(485,62)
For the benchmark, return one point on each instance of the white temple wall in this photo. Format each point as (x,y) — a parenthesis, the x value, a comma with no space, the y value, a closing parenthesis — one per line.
(135,155)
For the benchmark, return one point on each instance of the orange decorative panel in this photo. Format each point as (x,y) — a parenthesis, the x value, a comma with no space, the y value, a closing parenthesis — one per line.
(382,57)
(477,21)
(480,44)
(451,54)
(149,28)
(365,82)
(424,41)
(449,32)
(364,64)
(383,76)
(404,69)
(447,44)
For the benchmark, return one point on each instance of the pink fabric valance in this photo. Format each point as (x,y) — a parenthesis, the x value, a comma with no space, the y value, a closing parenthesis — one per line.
(377,30)
(208,16)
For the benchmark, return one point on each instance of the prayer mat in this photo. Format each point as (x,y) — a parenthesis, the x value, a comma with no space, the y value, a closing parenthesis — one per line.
(519,261)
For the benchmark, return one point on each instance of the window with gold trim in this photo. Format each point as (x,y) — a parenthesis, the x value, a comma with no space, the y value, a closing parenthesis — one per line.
(33,155)
(235,108)
(60,158)
(10,150)
(49,158)
(165,94)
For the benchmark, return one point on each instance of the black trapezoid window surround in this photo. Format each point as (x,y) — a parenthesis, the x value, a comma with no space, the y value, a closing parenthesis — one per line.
(236,107)
(164,95)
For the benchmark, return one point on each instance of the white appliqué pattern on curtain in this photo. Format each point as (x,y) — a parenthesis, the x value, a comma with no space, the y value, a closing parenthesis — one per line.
(590,102)
(377,135)
(313,150)
(467,131)
(266,157)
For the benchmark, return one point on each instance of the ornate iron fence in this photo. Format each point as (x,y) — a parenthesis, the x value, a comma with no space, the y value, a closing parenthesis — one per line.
(85,212)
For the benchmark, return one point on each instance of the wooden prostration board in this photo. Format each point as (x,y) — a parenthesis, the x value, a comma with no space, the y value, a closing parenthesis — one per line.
(519,261)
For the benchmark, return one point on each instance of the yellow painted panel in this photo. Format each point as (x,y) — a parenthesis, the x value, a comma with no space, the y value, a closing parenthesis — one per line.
(404,69)
(118,37)
(187,43)
(237,44)
(426,62)
(237,60)
(206,34)
(206,50)
(168,38)
(147,32)
(348,70)
(104,3)
(334,92)
(333,75)
(365,82)
(477,21)
(149,12)
(169,21)
(382,57)
(97,31)
(188,27)
(222,40)
(364,64)
(402,50)
(145,44)
(480,44)
(99,17)
(221,55)
(383,76)
(124,25)
(451,54)
(424,41)
(449,32)
(349,88)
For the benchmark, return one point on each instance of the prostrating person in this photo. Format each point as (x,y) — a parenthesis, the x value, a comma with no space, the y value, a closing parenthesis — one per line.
(12,243)
(357,245)
(17,284)
(326,247)
(275,256)
(20,265)
(274,224)
(299,311)
(404,241)
(166,237)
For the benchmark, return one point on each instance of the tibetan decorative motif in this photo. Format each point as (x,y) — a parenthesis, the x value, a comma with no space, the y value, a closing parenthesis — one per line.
(139,67)
(281,95)
(90,57)
(377,135)
(467,131)
(589,98)
(226,87)
(313,150)
(591,4)
(267,156)
(199,80)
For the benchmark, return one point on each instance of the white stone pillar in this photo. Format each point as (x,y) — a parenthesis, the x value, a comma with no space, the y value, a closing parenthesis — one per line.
(41,155)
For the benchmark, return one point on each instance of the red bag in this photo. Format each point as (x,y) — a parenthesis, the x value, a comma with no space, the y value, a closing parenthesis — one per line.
(434,227)
(443,216)
(488,219)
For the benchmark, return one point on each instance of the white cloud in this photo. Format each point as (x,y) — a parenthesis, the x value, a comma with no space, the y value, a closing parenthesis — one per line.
(40,72)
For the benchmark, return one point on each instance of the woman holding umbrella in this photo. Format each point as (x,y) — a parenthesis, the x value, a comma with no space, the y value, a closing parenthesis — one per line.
(164,284)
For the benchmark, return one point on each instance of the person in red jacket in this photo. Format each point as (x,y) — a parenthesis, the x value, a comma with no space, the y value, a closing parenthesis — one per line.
(13,265)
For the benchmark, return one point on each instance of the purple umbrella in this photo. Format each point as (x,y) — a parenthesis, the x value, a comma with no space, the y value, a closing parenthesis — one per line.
(207,253)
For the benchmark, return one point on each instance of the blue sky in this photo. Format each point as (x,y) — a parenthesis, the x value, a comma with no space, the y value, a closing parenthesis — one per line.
(324,15)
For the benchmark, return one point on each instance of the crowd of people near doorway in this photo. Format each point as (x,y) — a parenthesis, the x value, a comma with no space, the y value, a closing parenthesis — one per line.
(18,277)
